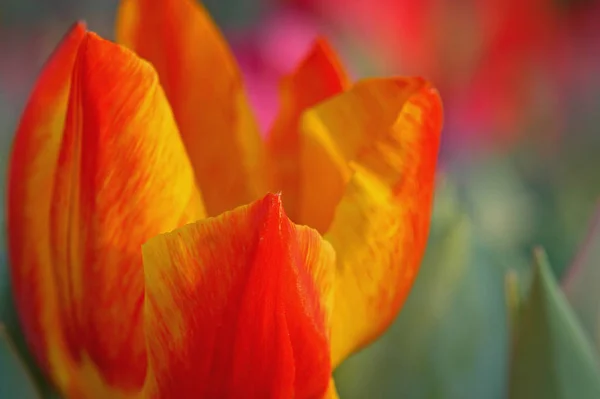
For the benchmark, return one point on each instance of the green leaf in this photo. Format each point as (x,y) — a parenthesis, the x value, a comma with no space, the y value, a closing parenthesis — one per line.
(581,283)
(15,381)
(450,340)
(552,357)
(513,294)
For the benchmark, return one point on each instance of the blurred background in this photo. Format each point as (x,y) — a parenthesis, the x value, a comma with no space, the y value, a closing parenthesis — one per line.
(519,165)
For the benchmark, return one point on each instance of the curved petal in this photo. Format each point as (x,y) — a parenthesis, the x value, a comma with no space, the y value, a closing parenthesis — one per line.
(122,177)
(370,156)
(30,183)
(319,76)
(237,306)
(204,87)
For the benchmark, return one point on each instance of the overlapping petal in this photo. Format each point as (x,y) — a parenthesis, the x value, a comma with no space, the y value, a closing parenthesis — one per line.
(204,87)
(239,306)
(121,177)
(319,76)
(30,184)
(368,164)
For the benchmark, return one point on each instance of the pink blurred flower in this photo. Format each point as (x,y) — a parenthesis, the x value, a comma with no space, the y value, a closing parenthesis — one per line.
(268,53)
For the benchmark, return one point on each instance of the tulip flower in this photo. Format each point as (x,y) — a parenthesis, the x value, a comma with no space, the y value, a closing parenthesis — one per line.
(149,255)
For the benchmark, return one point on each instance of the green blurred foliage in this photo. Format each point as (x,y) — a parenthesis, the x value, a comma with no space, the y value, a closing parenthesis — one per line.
(552,357)
(581,283)
(15,380)
(451,339)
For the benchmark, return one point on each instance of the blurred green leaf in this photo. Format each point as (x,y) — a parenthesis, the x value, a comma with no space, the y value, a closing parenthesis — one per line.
(6,303)
(562,178)
(499,203)
(15,381)
(450,340)
(513,299)
(552,357)
(581,282)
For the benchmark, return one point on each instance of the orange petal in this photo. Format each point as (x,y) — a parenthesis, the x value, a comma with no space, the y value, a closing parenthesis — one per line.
(204,87)
(237,306)
(29,192)
(370,157)
(123,176)
(318,77)
(331,391)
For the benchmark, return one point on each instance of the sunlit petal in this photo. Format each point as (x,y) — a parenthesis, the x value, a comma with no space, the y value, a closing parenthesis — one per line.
(369,159)
(30,183)
(318,77)
(122,177)
(204,87)
(238,306)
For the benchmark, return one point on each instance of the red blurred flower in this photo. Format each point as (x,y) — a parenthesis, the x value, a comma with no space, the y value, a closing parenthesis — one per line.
(496,61)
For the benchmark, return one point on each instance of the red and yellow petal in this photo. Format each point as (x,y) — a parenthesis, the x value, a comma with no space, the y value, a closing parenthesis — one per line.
(238,306)
(319,76)
(123,176)
(204,87)
(369,159)
(29,195)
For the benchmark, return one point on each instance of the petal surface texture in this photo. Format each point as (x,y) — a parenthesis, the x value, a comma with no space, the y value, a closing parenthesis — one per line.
(204,87)
(29,195)
(318,77)
(238,306)
(368,169)
(122,177)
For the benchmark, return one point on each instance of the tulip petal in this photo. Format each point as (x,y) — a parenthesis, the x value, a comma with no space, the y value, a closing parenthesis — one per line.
(319,76)
(331,391)
(30,183)
(369,156)
(123,176)
(204,87)
(238,306)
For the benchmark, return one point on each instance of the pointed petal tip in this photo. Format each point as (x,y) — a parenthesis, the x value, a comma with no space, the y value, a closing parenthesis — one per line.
(320,41)
(94,53)
(539,255)
(273,201)
(269,206)
(322,62)
(270,215)
(321,44)
(192,280)
(79,25)
(317,77)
